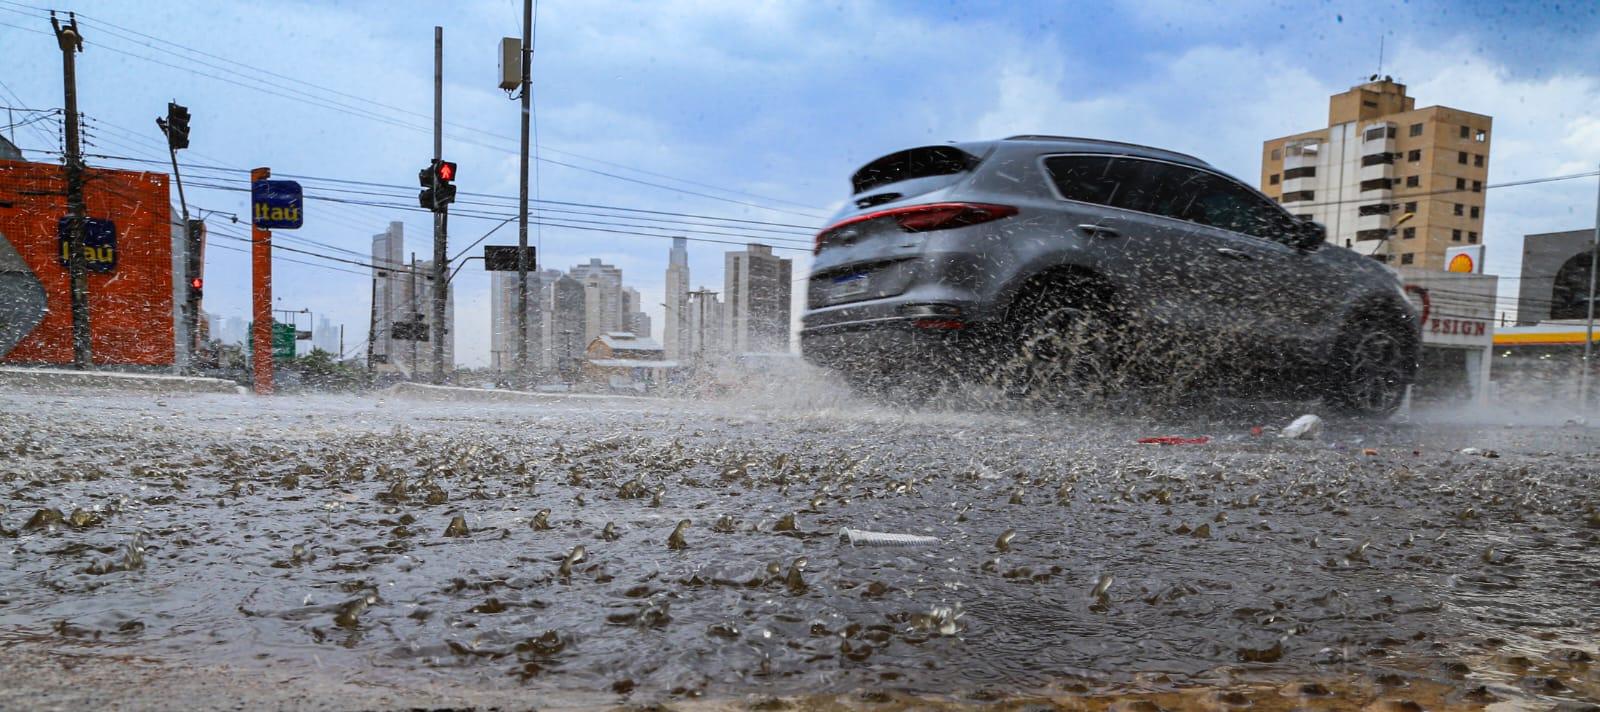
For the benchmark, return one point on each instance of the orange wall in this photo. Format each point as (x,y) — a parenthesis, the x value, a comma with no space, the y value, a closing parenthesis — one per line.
(130,308)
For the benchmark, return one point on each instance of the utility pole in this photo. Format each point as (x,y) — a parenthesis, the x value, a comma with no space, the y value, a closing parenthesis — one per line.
(442,216)
(176,128)
(341,342)
(372,319)
(1588,340)
(416,320)
(71,43)
(522,197)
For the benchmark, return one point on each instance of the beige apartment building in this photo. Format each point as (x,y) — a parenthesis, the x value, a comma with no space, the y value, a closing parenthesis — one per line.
(1379,158)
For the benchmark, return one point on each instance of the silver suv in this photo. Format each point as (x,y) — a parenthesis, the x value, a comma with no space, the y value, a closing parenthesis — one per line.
(1044,264)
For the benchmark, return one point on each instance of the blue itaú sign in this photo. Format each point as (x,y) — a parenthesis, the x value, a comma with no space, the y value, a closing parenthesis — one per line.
(276,205)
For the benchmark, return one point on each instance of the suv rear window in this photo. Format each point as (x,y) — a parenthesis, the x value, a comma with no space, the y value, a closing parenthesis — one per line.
(924,162)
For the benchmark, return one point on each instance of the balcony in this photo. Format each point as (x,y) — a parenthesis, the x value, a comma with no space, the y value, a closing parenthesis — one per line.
(1380,221)
(1376,171)
(1378,138)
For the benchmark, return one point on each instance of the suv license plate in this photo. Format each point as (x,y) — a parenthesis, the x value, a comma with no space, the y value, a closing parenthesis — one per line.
(845,287)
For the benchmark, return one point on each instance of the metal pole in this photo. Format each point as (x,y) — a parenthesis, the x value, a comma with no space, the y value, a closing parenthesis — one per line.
(416,320)
(261,295)
(372,321)
(1588,340)
(522,198)
(442,217)
(341,342)
(71,43)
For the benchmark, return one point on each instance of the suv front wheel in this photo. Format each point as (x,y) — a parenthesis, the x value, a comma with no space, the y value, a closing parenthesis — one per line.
(1373,363)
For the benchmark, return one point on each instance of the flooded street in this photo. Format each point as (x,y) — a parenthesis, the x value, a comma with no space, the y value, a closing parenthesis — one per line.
(366,551)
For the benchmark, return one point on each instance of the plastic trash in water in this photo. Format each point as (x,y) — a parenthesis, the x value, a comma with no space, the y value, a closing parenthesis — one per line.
(1305,427)
(1174,440)
(861,537)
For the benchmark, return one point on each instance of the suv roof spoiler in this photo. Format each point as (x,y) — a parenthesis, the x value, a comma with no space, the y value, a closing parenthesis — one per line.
(1047,137)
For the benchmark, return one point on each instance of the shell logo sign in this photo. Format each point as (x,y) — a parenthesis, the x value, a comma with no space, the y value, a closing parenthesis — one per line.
(1466,259)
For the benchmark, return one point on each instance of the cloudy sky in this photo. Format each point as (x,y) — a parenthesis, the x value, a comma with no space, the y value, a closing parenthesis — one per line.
(758,111)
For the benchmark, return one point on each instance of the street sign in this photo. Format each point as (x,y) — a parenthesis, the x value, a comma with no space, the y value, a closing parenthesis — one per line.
(99,243)
(283,340)
(503,258)
(277,204)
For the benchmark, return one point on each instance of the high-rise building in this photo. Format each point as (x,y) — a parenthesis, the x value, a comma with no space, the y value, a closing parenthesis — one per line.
(602,285)
(1380,158)
(675,336)
(706,337)
(566,326)
(325,336)
(634,320)
(503,318)
(756,287)
(402,296)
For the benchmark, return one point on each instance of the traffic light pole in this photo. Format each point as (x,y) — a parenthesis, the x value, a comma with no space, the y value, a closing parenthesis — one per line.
(71,43)
(441,217)
(191,308)
(522,201)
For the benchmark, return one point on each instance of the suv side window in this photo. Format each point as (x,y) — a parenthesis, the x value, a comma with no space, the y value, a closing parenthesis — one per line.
(1101,180)
(1207,199)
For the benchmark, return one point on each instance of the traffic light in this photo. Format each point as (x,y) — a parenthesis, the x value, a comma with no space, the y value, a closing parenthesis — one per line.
(438,185)
(177,126)
(195,289)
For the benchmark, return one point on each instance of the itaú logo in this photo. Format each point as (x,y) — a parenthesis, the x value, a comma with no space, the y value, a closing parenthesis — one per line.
(99,244)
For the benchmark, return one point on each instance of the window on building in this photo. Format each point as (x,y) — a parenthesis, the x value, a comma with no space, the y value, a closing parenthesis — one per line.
(1277,154)
(1347,242)
(1272,179)
(1477,160)
(1377,184)
(1374,209)
(1475,212)
(1413,181)
(1370,104)
(1455,235)
(1461,157)
(1408,233)
(1414,155)
(1472,237)
(1477,186)
(1406,258)
(1301,172)
(1416,129)
(1466,131)
(1380,258)
(1481,136)
(1460,209)
(1374,133)
(1299,196)
(1461,184)
(1373,234)
(1411,207)
(1376,159)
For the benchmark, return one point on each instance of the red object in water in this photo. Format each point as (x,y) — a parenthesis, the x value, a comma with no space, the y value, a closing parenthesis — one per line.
(1257,431)
(1174,440)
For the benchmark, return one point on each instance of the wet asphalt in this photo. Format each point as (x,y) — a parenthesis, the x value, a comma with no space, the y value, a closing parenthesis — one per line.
(598,552)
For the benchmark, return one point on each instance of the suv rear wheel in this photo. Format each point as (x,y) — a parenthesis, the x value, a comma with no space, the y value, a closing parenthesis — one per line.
(1373,363)
(1062,351)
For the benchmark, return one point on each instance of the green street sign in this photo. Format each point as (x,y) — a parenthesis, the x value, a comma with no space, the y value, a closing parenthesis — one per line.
(283,338)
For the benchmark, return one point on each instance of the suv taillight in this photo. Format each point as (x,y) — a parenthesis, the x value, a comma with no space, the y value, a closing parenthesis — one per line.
(926,217)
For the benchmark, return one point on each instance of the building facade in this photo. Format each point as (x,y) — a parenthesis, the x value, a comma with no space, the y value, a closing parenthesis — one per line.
(602,284)
(565,327)
(705,326)
(1378,159)
(756,286)
(402,295)
(675,331)
(503,318)
(1555,276)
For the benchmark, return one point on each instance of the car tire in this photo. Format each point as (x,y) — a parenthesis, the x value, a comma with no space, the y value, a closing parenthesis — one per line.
(1062,352)
(1372,364)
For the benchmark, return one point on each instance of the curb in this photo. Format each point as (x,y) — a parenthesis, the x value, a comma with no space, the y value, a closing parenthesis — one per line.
(52,379)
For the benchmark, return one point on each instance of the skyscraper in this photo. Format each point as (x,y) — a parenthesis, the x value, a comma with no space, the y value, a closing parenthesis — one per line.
(602,285)
(401,296)
(675,335)
(389,263)
(705,326)
(1379,158)
(565,335)
(756,315)
(634,319)
(503,318)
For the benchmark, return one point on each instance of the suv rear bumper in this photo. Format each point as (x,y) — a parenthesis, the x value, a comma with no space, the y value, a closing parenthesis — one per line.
(892,335)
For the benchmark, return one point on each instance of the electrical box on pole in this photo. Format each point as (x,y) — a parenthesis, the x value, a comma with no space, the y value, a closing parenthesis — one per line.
(510,63)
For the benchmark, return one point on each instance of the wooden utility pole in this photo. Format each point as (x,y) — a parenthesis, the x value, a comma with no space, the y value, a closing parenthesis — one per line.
(71,43)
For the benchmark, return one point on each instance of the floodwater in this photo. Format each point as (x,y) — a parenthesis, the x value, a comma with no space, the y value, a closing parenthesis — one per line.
(599,552)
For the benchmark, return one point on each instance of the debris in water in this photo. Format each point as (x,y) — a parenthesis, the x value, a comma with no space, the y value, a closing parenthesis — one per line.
(785,523)
(861,537)
(1305,427)
(541,520)
(577,555)
(676,540)
(725,524)
(1479,452)
(1174,440)
(458,526)
(1003,544)
(610,532)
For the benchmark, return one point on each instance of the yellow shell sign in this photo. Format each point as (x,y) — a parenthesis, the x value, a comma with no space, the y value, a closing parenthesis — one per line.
(1461,262)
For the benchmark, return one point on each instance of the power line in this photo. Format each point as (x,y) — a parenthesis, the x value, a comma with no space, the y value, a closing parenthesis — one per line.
(1401,197)
(298,94)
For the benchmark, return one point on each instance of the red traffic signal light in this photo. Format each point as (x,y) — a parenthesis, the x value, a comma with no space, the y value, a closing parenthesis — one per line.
(196,283)
(446,171)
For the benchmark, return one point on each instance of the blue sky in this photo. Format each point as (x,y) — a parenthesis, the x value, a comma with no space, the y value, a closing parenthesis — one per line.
(773,104)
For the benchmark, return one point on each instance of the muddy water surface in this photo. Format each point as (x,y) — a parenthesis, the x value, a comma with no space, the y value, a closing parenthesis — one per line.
(544,549)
